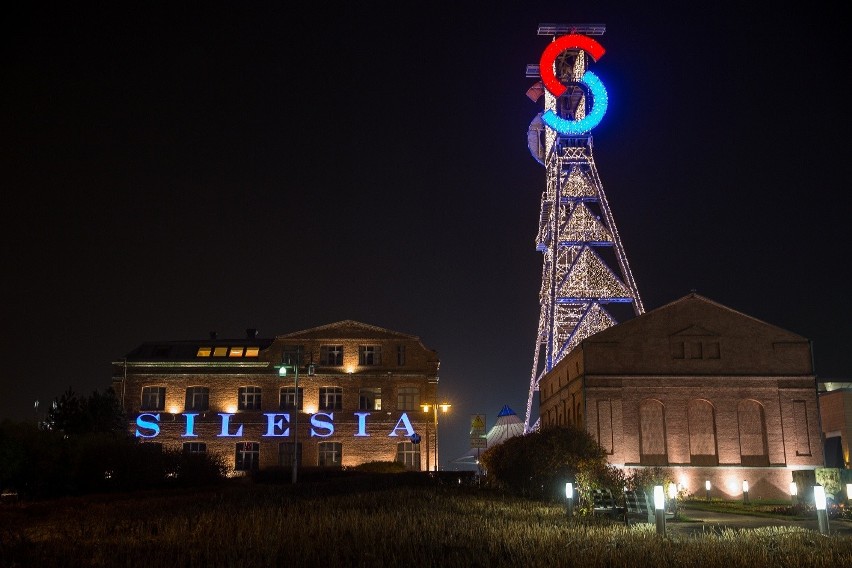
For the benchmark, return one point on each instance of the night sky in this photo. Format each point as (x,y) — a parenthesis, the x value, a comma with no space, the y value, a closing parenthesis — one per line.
(173,168)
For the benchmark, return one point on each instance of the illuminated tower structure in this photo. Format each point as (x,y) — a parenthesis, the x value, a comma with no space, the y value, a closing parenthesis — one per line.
(586,283)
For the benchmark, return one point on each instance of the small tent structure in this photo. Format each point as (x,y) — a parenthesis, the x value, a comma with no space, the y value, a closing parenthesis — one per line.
(508,425)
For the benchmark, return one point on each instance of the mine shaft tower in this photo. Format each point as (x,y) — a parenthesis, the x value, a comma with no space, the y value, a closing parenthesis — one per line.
(585,277)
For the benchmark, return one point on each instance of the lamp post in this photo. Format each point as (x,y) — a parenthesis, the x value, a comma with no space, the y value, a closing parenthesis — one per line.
(282,372)
(434,407)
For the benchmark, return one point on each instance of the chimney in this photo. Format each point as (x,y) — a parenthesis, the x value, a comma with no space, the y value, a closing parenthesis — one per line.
(251,333)
(214,335)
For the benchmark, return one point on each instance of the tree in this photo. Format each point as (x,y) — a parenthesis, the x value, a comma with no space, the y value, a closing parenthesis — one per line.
(539,463)
(73,416)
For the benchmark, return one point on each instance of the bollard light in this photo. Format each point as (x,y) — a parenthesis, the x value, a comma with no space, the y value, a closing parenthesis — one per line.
(660,509)
(707,488)
(794,491)
(569,495)
(822,514)
(672,490)
(819,497)
(849,491)
(745,491)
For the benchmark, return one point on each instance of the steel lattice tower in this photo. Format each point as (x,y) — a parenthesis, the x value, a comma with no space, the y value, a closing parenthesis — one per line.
(585,275)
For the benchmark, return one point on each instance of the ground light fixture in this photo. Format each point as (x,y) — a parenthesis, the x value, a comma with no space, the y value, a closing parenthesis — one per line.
(569,496)
(822,514)
(707,488)
(660,509)
(745,492)
(794,492)
(849,492)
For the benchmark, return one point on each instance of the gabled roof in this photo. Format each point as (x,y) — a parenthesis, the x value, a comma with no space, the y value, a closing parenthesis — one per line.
(347,329)
(692,301)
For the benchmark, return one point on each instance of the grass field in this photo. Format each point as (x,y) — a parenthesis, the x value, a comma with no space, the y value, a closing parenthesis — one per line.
(369,521)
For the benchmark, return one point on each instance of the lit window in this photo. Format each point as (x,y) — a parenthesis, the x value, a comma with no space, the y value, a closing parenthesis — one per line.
(236,352)
(220,351)
(285,454)
(252,351)
(153,398)
(331,355)
(249,398)
(287,399)
(330,454)
(370,398)
(197,398)
(248,456)
(408,454)
(369,354)
(408,398)
(204,352)
(331,398)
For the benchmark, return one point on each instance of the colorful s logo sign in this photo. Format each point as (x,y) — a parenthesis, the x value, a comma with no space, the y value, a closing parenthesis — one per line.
(551,83)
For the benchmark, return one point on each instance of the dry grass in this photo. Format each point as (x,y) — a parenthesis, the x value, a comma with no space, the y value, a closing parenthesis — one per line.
(324,525)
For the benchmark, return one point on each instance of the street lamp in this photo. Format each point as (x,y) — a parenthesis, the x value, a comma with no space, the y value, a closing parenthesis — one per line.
(444,406)
(282,372)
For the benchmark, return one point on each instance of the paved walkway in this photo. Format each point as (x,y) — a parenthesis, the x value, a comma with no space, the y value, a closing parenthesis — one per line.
(711,521)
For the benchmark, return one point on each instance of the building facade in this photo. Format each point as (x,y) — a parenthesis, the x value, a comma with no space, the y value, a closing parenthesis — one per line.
(835,409)
(359,390)
(698,388)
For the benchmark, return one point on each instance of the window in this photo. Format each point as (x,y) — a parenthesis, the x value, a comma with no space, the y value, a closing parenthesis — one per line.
(197,398)
(408,454)
(236,352)
(330,454)
(248,456)
(331,354)
(285,454)
(400,355)
(701,421)
(153,398)
(194,448)
(369,354)
(652,433)
(220,351)
(292,355)
(252,351)
(752,426)
(287,398)
(204,352)
(370,398)
(331,398)
(249,398)
(408,398)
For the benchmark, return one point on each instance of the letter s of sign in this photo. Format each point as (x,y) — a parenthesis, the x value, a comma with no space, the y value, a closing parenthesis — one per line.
(589,79)
(316,422)
(143,422)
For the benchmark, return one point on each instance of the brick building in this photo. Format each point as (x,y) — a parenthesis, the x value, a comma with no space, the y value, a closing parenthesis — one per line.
(360,394)
(701,389)
(835,409)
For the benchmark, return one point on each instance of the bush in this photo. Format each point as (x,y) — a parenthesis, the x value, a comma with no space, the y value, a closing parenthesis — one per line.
(538,464)
(381,467)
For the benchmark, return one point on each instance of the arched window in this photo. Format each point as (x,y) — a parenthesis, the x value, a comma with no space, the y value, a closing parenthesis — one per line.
(652,427)
(702,433)
(752,423)
(605,425)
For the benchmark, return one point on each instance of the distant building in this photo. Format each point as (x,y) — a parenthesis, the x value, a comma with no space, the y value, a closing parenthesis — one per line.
(360,391)
(835,408)
(701,389)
